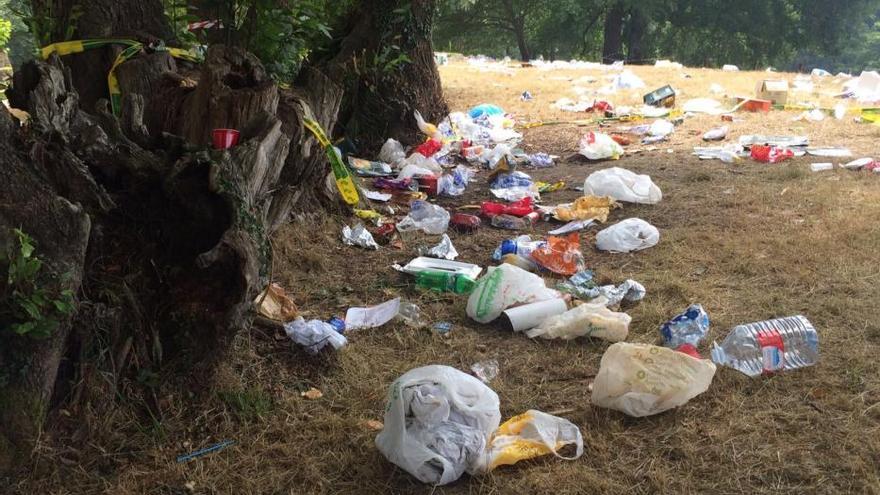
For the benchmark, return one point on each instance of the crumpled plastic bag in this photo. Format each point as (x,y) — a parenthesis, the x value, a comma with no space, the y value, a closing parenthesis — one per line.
(643,379)
(561,255)
(358,236)
(454,184)
(582,286)
(686,329)
(585,208)
(444,250)
(592,319)
(623,185)
(441,423)
(437,423)
(502,287)
(314,335)
(514,186)
(429,218)
(632,234)
(392,152)
(599,146)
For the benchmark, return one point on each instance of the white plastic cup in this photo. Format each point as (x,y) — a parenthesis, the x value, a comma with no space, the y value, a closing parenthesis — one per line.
(529,316)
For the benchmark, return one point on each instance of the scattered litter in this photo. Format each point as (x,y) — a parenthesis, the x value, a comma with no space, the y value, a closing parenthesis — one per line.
(378,196)
(820,73)
(443,281)
(770,154)
(585,208)
(372,317)
(716,134)
(207,450)
(821,167)
(373,425)
(366,168)
(511,222)
(441,423)
(583,286)
(730,68)
(275,304)
(626,80)
(392,152)
(358,236)
(715,89)
(591,319)
(572,226)
(505,286)
(661,97)
(312,394)
(528,316)
(685,331)
(769,346)
(462,222)
(518,208)
(623,185)
(442,327)
(540,160)
(830,152)
(486,371)
(728,154)
(525,96)
(815,115)
(599,146)
(444,250)
(774,90)
(514,186)
(643,379)
(560,255)
(314,335)
(422,263)
(485,109)
(782,141)
(861,163)
(429,218)
(632,234)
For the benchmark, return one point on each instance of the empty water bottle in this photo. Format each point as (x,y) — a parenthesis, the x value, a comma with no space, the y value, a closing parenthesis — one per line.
(769,346)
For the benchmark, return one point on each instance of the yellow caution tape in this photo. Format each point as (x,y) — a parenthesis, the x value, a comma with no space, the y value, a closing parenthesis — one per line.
(344,182)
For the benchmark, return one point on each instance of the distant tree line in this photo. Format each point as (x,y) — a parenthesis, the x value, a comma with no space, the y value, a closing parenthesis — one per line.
(755,34)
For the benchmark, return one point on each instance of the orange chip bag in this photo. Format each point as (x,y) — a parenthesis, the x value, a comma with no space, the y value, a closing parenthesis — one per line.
(561,255)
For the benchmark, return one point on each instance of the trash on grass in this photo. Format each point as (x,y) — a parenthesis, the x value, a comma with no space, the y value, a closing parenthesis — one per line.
(314,335)
(511,222)
(392,152)
(462,222)
(275,304)
(583,286)
(443,281)
(591,319)
(312,394)
(441,423)
(770,154)
(519,208)
(660,97)
(716,134)
(486,371)
(774,90)
(643,379)
(444,250)
(424,216)
(599,146)
(423,263)
(632,234)
(859,164)
(528,316)
(685,331)
(207,450)
(358,236)
(783,344)
(622,185)
(366,168)
(560,255)
(585,208)
(573,226)
(373,316)
(505,286)
(821,167)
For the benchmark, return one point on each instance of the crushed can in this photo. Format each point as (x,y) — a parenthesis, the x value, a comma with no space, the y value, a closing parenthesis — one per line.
(661,97)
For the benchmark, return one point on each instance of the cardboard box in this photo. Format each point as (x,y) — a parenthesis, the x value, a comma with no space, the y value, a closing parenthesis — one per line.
(773,90)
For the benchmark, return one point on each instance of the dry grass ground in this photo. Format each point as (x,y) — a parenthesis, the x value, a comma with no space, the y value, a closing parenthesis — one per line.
(749,241)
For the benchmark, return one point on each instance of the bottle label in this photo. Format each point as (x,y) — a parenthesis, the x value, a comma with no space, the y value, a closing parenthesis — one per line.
(772,350)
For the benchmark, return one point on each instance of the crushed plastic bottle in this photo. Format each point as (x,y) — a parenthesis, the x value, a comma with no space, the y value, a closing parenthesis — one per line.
(769,346)
(410,315)
(522,245)
(511,222)
(445,282)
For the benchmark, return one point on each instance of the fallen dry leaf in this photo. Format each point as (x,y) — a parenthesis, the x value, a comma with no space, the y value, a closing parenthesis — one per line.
(373,425)
(312,394)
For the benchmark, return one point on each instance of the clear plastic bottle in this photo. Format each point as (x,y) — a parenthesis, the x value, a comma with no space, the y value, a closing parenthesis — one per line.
(769,346)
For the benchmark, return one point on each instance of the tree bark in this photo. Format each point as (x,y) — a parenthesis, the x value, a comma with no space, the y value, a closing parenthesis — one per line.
(521,42)
(379,103)
(612,47)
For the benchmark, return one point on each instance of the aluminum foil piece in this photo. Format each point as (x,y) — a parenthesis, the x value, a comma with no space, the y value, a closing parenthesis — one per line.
(444,251)
(358,236)
(583,286)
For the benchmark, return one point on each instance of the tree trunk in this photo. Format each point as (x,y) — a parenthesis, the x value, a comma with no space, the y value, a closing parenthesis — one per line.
(612,47)
(520,32)
(140,20)
(379,103)
(635,35)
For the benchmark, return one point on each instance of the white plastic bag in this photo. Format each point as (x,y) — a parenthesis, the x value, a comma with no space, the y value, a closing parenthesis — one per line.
(314,335)
(632,234)
(502,287)
(623,185)
(441,423)
(429,218)
(392,152)
(437,422)
(627,80)
(599,146)
(643,379)
(592,319)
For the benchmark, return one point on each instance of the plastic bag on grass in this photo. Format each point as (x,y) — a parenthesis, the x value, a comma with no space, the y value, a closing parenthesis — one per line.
(441,423)
(430,218)
(623,185)
(643,379)
(392,152)
(502,287)
(591,319)
(632,234)
(314,335)
(599,146)
(561,255)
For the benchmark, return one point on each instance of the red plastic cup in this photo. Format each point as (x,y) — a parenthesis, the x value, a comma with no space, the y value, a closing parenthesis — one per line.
(225,138)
